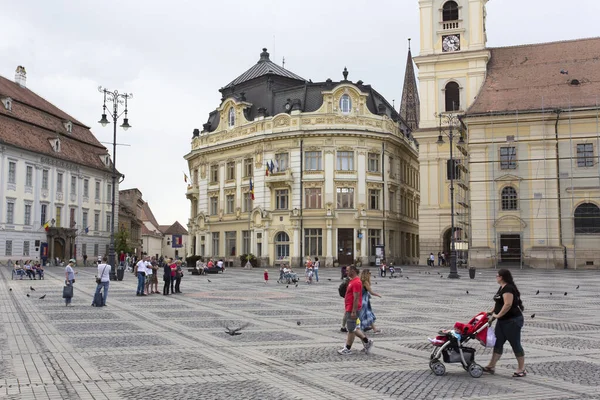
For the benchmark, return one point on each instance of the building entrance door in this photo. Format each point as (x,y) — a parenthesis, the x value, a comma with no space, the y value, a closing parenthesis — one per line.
(510,249)
(345,246)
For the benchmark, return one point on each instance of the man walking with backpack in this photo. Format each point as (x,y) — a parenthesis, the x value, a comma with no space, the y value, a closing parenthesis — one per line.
(353,303)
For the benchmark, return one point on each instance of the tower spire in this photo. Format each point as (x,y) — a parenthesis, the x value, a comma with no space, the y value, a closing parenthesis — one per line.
(410,104)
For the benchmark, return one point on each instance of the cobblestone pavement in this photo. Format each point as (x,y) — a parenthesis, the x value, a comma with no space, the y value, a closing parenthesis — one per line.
(174,347)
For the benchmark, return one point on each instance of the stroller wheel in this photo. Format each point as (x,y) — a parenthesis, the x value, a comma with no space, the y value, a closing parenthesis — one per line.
(475,370)
(438,368)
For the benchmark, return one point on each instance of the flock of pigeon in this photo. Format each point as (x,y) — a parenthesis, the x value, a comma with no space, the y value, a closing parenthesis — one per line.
(33,290)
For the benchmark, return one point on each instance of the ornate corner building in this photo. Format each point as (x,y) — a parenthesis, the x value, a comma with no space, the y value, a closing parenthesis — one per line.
(527,176)
(286,168)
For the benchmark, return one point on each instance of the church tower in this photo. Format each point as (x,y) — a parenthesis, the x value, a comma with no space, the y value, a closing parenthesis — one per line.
(410,105)
(452,66)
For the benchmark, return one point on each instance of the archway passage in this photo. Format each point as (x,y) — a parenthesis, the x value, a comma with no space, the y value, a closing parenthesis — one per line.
(447,239)
(59,248)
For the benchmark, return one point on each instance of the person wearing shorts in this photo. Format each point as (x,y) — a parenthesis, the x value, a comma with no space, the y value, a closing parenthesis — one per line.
(353,303)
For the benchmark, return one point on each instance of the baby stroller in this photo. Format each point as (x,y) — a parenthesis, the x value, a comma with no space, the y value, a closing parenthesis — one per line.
(288,277)
(449,345)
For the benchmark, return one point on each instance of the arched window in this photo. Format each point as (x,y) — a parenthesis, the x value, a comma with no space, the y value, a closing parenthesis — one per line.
(282,246)
(587,218)
(452,92)
(509,198)
(450,11)
(231,117)
(345,104)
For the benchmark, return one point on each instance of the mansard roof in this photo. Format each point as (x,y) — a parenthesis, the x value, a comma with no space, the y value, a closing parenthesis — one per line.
(263,67)
(541,76)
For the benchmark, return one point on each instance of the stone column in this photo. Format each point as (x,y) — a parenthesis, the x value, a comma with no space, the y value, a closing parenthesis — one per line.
(329,244)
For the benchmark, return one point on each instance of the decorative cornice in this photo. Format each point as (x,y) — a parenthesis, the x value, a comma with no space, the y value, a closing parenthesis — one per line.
(213,193)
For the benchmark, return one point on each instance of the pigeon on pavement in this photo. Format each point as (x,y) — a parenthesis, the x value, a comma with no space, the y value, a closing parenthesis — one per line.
(31,288)
(577,287)
(538,292)
(27,294)
(43,297)
(532,316)
(236,331)
(208,280)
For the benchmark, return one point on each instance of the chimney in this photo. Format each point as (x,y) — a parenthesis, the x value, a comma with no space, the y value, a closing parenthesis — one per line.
(20,76)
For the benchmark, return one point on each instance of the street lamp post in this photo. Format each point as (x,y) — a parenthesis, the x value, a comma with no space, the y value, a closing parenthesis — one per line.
(453,124)
(116,98)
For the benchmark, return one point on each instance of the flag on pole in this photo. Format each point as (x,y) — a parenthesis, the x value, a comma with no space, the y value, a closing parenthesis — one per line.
(185,177)
(276,167)
(272,166)
(267,169)
(251,190)
(47,226)
(87,229)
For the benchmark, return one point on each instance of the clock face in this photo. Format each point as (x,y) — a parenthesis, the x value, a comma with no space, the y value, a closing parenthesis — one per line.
(451,43)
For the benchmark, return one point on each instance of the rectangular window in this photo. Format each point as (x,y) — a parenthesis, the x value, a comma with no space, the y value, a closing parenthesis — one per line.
(312,161)
(281,162)
(96,249)
(230,243)
(26,248)
(231,170)
(449,169)
(84,220)
(109,192)
(45,179)
(10,213)
(83,249)
(374,199)
(44,214)
(58,216)
(71,218)
(27,216)
(585,155)
(12,172)
(281,199)
(246,242)
(96,221)
(214,174)
(392,201)
(214,205)
(373,165)
(508,157)
(312,198)
(86,188)
(345,161)
(248,168)
(29,176)
(374,240)
(73,185)
(107,222)
(215,243)
(247,202)
(230,200)
(59,182)
(345,197)
(8,250)
(97,191)
(313,242)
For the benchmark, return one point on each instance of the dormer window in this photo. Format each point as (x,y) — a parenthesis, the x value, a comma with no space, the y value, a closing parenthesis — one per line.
(231,117)
(68,126)
(450,11)
(105,159)
(55,143)
(7,102)
(345,104)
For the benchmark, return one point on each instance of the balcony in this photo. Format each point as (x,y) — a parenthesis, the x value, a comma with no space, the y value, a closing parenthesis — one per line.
(279,178)
(451,25)
(192,191)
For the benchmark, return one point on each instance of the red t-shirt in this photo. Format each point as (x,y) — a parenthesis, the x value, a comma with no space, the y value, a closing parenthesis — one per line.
(173,270)
(355,285)
(122,257)
(266,276)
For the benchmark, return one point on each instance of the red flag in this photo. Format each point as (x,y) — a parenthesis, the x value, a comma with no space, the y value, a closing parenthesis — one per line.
(251,190)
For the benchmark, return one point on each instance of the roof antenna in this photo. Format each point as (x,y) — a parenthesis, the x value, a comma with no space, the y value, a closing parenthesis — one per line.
(393,103)
(283,62)
(408,44)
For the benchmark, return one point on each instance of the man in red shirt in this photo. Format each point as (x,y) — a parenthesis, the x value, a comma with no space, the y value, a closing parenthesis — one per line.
(353,303)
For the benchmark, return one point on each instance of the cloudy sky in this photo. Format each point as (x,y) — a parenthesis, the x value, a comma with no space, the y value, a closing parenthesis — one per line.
(175,55)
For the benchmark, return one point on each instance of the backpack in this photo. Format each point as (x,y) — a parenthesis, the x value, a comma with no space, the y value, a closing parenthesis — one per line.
(343,288)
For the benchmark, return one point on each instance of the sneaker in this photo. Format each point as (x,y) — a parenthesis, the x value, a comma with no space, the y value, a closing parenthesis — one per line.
(343,329)
(345,351)
(368,346)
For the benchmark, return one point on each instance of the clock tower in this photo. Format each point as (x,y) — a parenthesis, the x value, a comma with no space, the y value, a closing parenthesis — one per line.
(452,67)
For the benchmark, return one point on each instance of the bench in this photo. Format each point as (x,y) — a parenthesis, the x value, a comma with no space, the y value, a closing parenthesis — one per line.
(195,271)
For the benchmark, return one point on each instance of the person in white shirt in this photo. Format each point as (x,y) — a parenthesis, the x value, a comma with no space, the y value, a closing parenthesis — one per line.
(149,274)
(140,271)
(316,266)
(103,275)
(220,264)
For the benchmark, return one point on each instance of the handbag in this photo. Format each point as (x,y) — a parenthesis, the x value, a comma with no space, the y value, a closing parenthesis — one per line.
(490,340)
(67,292)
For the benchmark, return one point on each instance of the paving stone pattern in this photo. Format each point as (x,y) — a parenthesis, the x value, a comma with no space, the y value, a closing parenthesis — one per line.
(175,347)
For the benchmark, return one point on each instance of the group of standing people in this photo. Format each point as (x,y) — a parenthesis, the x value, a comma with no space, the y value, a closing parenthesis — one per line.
(441,259)
(146,271)
(311,269)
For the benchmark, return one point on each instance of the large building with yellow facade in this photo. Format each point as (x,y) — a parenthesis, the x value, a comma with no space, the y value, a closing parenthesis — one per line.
(527,176)
(287,168)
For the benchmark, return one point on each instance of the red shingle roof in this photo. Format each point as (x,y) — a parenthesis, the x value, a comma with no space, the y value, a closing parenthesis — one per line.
(147,215)
(175,229)
(33,121)
(529,77)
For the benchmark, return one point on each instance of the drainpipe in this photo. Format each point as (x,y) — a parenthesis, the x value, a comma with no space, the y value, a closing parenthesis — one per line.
(560,230)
